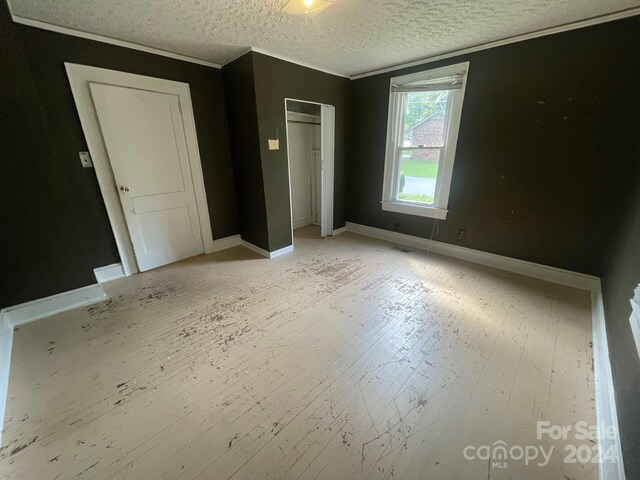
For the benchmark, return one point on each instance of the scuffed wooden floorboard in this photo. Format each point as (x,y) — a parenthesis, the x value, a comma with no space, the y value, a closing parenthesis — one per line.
(349,358)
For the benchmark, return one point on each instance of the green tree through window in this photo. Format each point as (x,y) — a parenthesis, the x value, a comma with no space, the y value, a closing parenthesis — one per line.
(421,105)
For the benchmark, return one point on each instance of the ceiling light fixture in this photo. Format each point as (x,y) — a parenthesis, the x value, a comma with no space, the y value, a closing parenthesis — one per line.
(306,7)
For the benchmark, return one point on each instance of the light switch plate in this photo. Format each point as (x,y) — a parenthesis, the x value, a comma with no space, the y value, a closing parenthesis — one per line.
(274,144)
(85,159)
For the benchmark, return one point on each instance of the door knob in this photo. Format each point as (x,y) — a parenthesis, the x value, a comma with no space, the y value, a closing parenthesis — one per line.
(124,188)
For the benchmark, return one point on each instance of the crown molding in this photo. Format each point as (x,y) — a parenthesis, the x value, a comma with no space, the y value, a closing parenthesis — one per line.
(236,57)
(630,12)
(302,64)
(112,41)
(610,17)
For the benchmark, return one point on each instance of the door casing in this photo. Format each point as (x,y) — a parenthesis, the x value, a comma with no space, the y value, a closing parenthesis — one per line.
(327,153)
(79,78)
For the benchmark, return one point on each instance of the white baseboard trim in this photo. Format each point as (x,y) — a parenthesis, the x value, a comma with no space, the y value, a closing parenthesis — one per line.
(11,317)
(281,251)
(522,267)
(255,248)
(265,253)
(6,342)
(108,273)
(302,223)
(45,307)
(338,231)
(606,415)
(227,242)
(606,412)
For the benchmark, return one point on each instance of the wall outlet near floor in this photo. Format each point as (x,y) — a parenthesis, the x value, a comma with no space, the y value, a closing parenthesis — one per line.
(462,233)
(274,144)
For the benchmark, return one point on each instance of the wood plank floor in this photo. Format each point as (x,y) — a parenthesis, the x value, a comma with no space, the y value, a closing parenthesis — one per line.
(349,358)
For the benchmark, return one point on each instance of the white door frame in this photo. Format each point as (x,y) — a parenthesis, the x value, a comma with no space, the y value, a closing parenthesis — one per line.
(79,78)
(327,154)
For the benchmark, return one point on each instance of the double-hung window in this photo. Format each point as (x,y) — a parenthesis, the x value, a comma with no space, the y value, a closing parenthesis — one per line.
(424,117)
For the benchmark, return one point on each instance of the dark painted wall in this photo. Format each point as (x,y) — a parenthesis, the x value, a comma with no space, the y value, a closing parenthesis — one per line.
(245,150)
(542,168)
(621,277)
(47,52)
(63,198)
(40,238)
(276,80)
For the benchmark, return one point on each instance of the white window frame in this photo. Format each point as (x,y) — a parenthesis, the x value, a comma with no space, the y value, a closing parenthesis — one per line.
(394,143)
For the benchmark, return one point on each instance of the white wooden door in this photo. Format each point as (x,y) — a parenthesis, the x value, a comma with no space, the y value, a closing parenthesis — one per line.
(328,128)
(145,140)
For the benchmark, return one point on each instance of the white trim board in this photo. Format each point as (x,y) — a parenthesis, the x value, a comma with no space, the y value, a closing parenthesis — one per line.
(6,342)
(634,318)
(630,12)
(109,273)
(327,159)
(266,254)
(227,242)
(255,248)
(80,76)
(45,307)
(281,251)
(286,134)
(303,222)
(112,41)
(296,62)
(11,317)
(606,413)
(236,57)
(530,269)
(605,401)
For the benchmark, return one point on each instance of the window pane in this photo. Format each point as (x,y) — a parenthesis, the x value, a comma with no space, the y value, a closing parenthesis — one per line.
(418,173)
(424,118)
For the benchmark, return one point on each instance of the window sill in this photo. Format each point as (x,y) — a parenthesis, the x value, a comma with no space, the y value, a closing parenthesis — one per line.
(432,212)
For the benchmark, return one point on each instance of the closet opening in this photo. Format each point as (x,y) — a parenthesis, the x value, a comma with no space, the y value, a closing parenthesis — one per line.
(310,152)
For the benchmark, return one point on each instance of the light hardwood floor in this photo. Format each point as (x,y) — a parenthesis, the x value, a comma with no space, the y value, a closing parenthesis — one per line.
(349,358)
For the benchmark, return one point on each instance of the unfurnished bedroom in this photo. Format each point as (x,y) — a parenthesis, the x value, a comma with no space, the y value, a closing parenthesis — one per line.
(320,239)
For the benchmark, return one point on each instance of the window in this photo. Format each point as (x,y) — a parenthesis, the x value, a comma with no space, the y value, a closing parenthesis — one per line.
(424,116)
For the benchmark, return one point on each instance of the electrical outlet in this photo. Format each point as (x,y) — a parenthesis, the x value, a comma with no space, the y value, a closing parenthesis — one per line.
(462,233)
(85,159)
(274,144)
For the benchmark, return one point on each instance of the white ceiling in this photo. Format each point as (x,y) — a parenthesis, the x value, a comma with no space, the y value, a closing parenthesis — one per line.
(350,37)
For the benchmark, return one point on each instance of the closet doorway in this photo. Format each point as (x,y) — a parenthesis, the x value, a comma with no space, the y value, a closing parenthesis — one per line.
(310,151)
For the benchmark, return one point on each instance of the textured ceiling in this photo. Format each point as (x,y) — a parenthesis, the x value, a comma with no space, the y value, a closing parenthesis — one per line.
(350,37)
